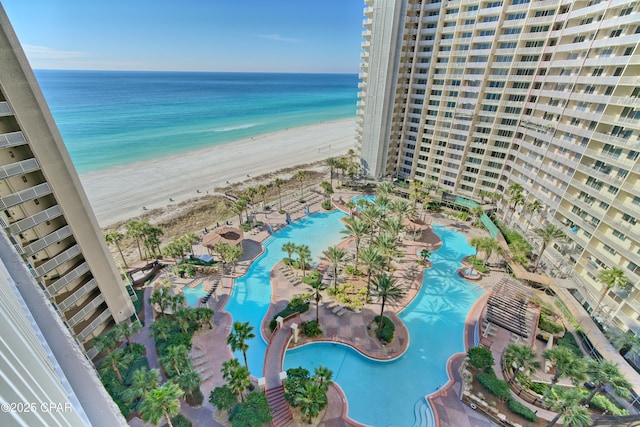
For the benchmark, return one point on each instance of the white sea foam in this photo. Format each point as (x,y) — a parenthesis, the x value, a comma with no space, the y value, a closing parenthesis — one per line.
(238,127)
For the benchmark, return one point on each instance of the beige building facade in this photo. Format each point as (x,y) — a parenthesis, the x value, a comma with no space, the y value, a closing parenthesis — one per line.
(479,95)
(44,210)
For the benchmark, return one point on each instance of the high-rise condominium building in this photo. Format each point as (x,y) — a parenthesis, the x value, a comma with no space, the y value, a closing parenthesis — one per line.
(480,94)
(44,210)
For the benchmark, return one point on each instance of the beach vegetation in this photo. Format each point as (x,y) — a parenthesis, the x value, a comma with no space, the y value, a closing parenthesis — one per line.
(115,238)
(300,177)
(566,364)
(189,381)
(304,258)
(335,256)
(163,401)
(611,278)
(373,260)
(179,421)
(135,231)
(252,412)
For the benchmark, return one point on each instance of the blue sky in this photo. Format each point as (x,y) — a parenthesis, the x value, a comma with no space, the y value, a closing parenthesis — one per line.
(199,35)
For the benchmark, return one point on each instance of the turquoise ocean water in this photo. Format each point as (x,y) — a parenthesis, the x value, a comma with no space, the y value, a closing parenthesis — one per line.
(114,118)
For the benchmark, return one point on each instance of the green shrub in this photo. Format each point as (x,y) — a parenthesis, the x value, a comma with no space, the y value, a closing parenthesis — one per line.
(603,403)
(327,205)
(288,311)
(549,326)
(462,216)
(223,398)
(477,263)
(569,341)
(388,329)
(519,409)
(179,421)
(538,388)
(494,385)
(180,338)
(311,329)
(480,358)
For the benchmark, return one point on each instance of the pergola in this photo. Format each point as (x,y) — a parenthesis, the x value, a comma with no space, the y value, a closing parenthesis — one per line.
(227,234)
(508,306)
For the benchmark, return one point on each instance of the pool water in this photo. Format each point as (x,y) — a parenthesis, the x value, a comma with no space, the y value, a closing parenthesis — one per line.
(193,295)
(393,393)
(251,294)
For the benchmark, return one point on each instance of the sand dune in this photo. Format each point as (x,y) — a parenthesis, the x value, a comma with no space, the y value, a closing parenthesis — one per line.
(121,193)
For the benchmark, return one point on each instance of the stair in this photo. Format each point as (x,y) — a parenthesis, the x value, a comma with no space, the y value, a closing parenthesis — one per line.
(280,410)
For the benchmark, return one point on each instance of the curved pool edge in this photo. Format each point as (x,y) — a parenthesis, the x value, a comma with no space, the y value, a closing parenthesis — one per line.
(470,327)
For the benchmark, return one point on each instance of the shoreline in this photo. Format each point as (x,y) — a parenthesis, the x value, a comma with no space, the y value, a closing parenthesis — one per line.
(121,193)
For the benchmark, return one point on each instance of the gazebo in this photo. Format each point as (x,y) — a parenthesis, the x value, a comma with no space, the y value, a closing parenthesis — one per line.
(225,234)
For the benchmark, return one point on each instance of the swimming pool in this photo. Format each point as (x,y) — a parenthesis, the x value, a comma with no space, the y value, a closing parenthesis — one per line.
(251,294)
(193,295)
(393,393)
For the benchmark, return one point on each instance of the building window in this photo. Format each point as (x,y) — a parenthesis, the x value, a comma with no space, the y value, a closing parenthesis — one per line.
(619,235)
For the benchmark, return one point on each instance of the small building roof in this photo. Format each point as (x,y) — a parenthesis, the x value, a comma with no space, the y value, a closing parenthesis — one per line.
(227,234)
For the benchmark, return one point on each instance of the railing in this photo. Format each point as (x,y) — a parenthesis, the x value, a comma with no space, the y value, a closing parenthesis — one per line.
(5,110)
(86,310)
(58,260)
(84,289)
(19,168)
(12,139)
(25,195)
(82,336)
(67,278)
(47,240)
(33,220)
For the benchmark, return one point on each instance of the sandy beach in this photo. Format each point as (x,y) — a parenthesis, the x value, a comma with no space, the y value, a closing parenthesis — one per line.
(121,193)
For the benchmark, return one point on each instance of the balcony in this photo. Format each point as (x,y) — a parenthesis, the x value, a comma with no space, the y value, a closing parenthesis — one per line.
(5,110)
(47,240)
(25,195)
(18,168)
(601,175)
(12,139)
(70,300)
(58,260)
(86,331)
(86,310)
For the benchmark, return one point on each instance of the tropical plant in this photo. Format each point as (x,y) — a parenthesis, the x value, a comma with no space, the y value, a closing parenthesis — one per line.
(163,401)
(175,359)
(533,208)
(142,382)
(604,373)
(323,375)
(335,255)
(136,232)
(223,398)
(262,192)
(425,254)
(327,188)
(253,412)
(300,177)
(393,226)
(161,298)
(278,183)
(107,341)
(190,239)
(162,327)
(332,163)
(128,329)
(289,248)
(566,402)
(515,197)
(236,376)
(374,262)
(116,360)
(189,381)
(416,192)
(385,188)
(486,245)
(233,255)
(315,286)
(238,208)
(611,278)
(627,343)
(387,289)
(387,245)
(401,209)
(312,399)
(115,238)
(238,337)
(549,234)
(566,364)
(304,257)
(521,358)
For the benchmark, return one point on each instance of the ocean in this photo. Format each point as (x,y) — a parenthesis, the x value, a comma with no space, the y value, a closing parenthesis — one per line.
(114,118)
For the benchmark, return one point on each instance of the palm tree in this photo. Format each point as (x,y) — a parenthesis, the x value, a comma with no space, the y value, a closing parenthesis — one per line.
(385,188)
(604,373)
(175,357)
(115,238)
(351,205)
(311,400)
(289,248)
(304,257)
(387,289)
(332,162)
(335,255)
(416,192)
(566,402)
(392,226)
(189,381)
(190,239)
(116,360)
(300,176)
(533,208)
(521,358)
(387,245)
(401,208)
(108,341)
(238,337)
(128,329)
(425,254)
(357,229)
(233,255)
(323,374)
(611,278)
(135,231)
(278,183)
(236,376)
(315,287)
(238,207)
(143,381)
(327,188)
(549,234)
(183,318)
(162,401)
(566,364)
(515,197)
(374,262)
(486,245)
(627,344)
(262,192)
(160,297)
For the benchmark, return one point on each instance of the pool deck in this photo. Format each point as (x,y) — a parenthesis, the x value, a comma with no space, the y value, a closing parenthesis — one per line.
(348,328)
